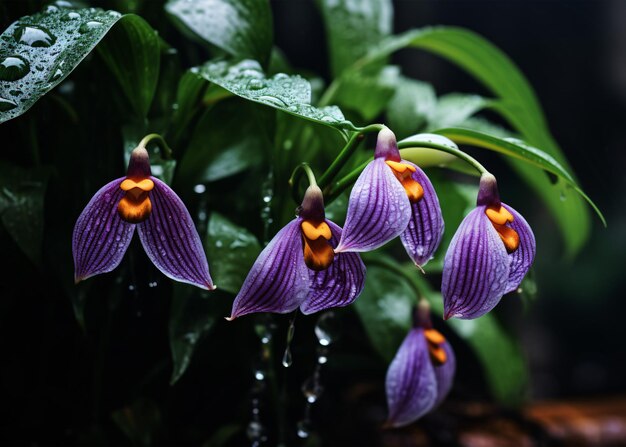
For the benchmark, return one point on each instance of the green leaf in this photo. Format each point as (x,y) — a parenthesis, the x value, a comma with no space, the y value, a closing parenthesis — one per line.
(291,94)
(234,250)
(191,89)
(38,52)
(385,307)
(227,140)
(193,313)
(517,103)
(22,206)
(411,107)
(242,28)
(132,52)
(455,108)
(353,27)
(516,148)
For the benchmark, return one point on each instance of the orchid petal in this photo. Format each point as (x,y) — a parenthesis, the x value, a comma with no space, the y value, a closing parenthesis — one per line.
(279,280)
(425,230)
(171,240)
(444,374)
(411,384)
(338,285)
(522,258)
(100,236)
(476,268)
(378,209)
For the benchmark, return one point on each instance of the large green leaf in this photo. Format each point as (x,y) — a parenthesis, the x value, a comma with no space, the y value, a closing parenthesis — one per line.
(242,28)
(353,27)
(517,103)
(21,206)
(231,250)
(455,108)
(38,52)
(291,94)
(132,52)
(411,107)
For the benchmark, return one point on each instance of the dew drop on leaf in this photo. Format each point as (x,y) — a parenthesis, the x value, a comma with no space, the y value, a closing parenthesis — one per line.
(34,36)
(13,68)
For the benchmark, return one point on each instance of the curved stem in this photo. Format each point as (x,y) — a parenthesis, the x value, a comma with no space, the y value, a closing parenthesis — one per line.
(344,182)
(448,149)
(166,152)
(296,175)
(382,262)
(341,159)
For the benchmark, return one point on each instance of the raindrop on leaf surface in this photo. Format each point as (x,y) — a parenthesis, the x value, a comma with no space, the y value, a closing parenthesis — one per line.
(13,68)
(34,36)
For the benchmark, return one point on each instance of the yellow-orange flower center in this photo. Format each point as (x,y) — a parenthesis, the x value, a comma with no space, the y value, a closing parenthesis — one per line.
(404,173)
(135,206)
(318,253)
(499,217)
(435,346)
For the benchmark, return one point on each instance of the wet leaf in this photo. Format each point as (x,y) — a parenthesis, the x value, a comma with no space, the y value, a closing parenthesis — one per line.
(242,28)
(455,108)
(411,107)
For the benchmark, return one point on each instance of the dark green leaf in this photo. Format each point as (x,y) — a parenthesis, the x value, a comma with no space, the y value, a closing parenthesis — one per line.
(38,52)
(21,206)
(231,251)
(192,315)
(242,28)
(411,107)
(132,52)
(291,94)
(191,89)
(353,27)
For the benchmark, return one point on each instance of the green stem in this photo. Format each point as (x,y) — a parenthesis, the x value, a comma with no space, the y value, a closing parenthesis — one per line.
(381,262)
(166,152)
(296,175)
(448,149)
(345,182)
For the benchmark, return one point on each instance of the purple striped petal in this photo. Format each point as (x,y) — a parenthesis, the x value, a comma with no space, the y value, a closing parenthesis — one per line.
(425,230)
(100,236)
(476,268)
(378,209)
(522,258)
(445,374)
(279,280)
(338,285)
(171,240)
(411,384)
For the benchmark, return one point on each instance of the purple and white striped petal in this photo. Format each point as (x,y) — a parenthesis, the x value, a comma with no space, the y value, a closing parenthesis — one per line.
(425,230)
(171,240)
(411,384)
(445,374)
(378,209)
(100,236)
(279,279)
(476,268)
(338,285)
(522,258)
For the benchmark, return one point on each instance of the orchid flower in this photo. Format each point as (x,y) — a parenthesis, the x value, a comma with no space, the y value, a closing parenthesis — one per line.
(488,256)
(299,268)
(392,197)
(421,374)
(105,228)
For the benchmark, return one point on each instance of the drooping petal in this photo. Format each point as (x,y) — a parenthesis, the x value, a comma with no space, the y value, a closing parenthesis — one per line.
(425,230)
(279,280)
(522,258)
(378,209)
(338,285)
(100,236)
(411,384)
(444,374)
(476,268)
(171,240)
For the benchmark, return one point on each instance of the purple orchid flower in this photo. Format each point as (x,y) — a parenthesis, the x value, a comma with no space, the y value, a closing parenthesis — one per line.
(421,374)
(488,256)
(299,268)
(393,197)
(105,228)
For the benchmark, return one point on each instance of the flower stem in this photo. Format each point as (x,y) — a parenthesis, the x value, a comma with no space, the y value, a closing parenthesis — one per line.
(166,152)
(296,175)
(372,259)
(444,148)
(344,182)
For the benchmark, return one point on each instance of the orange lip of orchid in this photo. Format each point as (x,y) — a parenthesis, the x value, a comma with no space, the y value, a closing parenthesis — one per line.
(403,173)
(435,349)
(318,253)
(135,206)
(499,217)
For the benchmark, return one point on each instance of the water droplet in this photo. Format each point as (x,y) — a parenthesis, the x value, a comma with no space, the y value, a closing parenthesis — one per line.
(311,389)
(326,329)
(13,68)
(88,26)
(304,429)
(63,4)
(272,100)
(287,358)
(199,188)
(34,36)
(259,375)
(255,431)
(6,104)
(70,16)
(218,243)
(15,92)
(322,355)
(563,197)
(114,14)
(58,74)
(50,9)
(256,84)
(152,284)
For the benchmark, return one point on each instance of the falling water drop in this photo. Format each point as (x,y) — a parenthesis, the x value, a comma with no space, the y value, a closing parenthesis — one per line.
(199,188)
(326,329)
(304,429)
(287,358)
